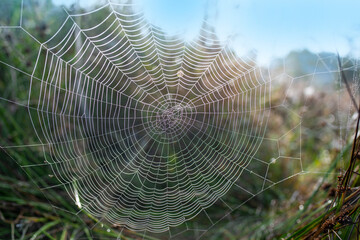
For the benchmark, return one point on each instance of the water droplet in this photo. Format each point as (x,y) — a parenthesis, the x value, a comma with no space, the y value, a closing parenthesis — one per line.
(180,73)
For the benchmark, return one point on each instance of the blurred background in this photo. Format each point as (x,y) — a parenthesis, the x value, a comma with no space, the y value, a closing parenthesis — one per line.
(307,145)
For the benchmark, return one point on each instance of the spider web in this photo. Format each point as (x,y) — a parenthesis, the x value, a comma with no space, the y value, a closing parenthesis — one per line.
(146,130)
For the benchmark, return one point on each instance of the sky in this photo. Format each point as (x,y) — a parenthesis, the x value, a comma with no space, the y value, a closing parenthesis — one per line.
(269,28)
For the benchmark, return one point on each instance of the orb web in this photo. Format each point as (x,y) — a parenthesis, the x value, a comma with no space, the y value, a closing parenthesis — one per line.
(151,129)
